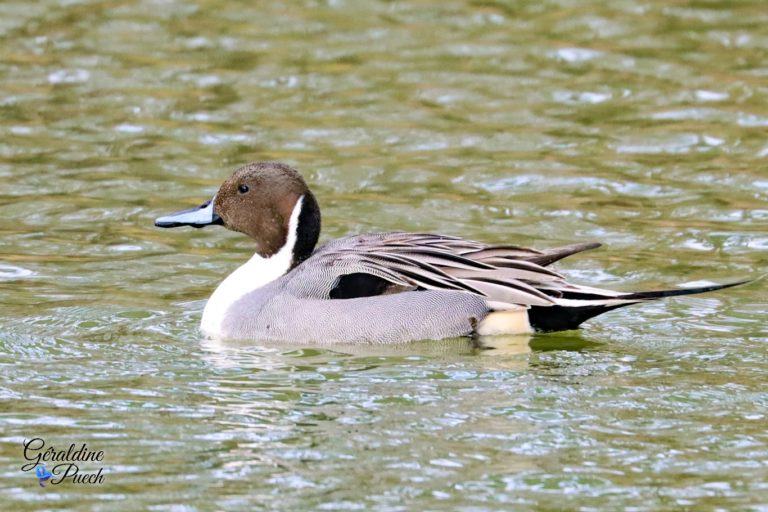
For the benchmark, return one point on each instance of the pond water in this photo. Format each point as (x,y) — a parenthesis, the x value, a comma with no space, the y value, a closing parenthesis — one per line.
(641,125)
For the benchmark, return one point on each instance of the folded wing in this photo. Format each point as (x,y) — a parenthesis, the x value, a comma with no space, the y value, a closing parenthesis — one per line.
(505,276)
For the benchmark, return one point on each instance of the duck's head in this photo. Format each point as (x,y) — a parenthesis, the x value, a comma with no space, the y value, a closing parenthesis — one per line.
(269,202)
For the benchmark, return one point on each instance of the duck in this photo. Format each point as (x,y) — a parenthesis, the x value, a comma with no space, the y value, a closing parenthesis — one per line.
(379,288)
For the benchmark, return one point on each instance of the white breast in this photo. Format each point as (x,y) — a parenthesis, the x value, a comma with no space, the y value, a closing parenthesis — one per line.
(254,274)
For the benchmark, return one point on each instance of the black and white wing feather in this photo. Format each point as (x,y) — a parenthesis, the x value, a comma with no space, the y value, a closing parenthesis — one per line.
(506,277)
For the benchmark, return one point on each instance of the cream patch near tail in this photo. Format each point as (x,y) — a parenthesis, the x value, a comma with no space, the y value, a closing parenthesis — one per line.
(511,321)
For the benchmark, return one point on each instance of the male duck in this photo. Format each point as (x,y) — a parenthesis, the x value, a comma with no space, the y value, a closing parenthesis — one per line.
(382,287)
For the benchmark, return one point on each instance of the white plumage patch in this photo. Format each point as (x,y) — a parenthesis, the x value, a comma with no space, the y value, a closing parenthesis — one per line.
(510,321)
(254,274)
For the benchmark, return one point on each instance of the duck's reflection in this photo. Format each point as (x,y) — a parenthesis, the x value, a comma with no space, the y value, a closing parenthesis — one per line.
(510,350)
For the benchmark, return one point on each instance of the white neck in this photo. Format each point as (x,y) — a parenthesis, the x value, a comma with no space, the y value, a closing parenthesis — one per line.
(254,274)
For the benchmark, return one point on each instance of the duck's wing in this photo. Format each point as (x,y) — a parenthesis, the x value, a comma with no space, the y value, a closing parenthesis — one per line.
(385,263)
(506,277)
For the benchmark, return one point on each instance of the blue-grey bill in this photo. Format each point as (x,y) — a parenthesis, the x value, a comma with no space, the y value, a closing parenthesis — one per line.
(198,217)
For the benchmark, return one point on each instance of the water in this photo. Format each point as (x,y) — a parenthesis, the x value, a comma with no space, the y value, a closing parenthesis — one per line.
(640,125)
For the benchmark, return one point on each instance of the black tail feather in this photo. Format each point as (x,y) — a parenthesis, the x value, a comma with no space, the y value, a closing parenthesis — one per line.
(680,291)
(562,318)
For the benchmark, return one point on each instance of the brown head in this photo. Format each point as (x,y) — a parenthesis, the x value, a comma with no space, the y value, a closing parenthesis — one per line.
(259,200)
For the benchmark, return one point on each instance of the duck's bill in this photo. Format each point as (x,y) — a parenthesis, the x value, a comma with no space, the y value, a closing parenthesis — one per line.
(198,217)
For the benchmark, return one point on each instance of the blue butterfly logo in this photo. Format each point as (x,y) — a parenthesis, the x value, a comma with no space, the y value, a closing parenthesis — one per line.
(42,474)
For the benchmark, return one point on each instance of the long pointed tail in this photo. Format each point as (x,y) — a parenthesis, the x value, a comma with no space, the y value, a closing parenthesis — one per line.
(640,296)
(577,307)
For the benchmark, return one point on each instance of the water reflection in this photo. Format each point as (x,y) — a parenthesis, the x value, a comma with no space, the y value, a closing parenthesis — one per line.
(224,352)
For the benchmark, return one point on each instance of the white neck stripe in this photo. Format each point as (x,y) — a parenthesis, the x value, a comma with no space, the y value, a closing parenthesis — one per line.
(293,230)
(252,275)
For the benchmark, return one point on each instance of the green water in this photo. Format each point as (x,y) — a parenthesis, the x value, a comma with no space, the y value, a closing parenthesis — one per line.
(642,125)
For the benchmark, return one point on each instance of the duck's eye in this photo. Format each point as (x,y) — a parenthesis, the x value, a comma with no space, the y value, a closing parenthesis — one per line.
(243,188)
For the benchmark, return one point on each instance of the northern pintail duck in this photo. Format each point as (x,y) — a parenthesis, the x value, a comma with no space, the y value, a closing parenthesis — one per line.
(382,287)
